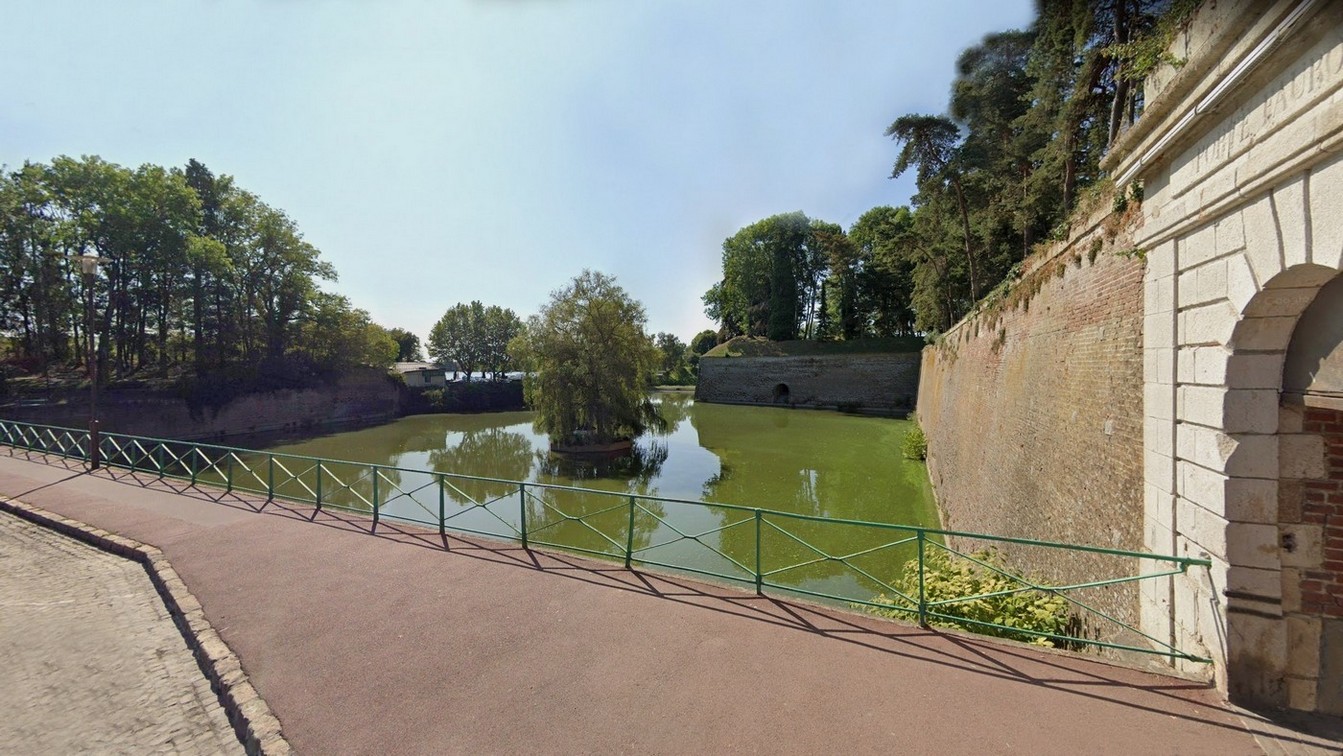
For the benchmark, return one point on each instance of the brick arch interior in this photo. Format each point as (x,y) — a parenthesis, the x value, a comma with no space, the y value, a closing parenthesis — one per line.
(1276,635)
(1310,505)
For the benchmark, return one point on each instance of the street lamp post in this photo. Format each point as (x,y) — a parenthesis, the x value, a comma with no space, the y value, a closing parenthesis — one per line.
(88,264)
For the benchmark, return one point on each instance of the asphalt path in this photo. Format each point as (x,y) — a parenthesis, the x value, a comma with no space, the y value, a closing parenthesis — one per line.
(405,642)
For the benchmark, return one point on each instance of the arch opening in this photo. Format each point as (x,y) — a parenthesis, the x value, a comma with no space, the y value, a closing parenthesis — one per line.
(1284,495)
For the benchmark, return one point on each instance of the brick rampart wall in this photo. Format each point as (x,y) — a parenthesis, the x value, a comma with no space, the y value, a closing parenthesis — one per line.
(883,382)
(361,397)
(1033,411)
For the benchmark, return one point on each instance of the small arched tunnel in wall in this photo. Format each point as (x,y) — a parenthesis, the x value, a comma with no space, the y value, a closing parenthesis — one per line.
(1289,654)
(781,394)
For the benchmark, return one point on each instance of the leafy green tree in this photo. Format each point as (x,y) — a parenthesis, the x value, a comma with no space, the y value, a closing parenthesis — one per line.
(930,145)
(498,327)
(843,306)
(199,274)
(771,279)
(476,337)
(703,342)
(407,345)
(458,337)
(341,336)
(880,237)
(674,366)
(589,363)
(1031,113)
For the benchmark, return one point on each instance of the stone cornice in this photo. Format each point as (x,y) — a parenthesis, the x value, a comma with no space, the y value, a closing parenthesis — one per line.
(1220,38)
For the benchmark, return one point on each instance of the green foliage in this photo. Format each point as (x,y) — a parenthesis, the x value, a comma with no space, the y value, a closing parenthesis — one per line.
(676,367)
(589,363)
(475,337)
(1131,253)
(1149,49)
(946,577)
(343,337)
(198,276)
(703,342)
(770,275)
(407,345)
(1030,116)
(915,444)
(744,346)
(789,277)
(486,396)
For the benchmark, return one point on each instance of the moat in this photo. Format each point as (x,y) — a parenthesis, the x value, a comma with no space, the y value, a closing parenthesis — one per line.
(816,463)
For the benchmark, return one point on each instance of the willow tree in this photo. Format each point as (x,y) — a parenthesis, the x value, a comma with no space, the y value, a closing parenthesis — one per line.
(589,364)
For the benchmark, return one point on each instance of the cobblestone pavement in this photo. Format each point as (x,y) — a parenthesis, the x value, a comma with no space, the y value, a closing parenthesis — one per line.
(91,661)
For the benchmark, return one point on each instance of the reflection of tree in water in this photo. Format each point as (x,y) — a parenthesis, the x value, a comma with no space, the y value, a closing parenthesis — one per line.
(638,468)
(800,490)
(487,453)
(347,485)
(675,407)
(633,472)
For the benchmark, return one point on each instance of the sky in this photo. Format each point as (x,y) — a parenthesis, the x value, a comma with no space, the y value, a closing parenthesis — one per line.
(441,152)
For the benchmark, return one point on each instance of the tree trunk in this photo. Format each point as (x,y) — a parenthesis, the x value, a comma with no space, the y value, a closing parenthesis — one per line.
(965,230)
(1117,105)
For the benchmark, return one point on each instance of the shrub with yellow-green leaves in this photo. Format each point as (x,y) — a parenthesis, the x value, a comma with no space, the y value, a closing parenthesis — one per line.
(946,577)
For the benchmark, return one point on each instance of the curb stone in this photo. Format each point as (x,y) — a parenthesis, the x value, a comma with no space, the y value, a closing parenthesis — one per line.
(253,722)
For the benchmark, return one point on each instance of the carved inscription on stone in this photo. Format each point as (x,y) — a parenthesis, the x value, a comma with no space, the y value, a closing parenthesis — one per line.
(1310,78)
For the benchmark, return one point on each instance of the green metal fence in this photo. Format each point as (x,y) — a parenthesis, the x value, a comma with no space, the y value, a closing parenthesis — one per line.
(880,566)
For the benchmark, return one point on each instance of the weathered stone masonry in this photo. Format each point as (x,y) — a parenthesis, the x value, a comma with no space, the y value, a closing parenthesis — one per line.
(1239,155)
(364,396)
(881,382)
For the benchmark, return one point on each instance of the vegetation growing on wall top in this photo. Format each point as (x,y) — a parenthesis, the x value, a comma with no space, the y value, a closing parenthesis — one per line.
(1030,116)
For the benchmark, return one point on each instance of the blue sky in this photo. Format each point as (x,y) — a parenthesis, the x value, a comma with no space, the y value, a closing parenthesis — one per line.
(439,152)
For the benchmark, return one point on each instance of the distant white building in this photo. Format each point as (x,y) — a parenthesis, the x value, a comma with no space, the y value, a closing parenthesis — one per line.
(423,374)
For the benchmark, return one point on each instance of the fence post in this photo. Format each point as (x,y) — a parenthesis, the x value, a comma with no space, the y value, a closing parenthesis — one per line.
(228,475)
(318,492)
(522,512)
(375,499)
(194,455)
(442,508)
(923,599)
(629,537)
(270,477)
(759,576)
(158,459)
(95,450)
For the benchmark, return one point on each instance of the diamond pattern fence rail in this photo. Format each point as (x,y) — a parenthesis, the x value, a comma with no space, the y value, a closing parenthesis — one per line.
(891,569)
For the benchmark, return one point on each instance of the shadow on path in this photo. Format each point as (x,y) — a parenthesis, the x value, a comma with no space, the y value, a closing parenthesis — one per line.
(1002,660)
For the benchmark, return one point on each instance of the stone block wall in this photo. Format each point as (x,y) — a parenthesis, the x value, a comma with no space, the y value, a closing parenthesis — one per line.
(1241,156)
(885,383)
(1033,412)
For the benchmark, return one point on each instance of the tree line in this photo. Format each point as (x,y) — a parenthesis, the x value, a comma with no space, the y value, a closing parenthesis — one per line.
(1030,116)
(198,276)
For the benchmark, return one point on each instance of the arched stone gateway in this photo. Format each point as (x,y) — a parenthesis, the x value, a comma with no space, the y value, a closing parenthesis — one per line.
(1283,378)
(1239,153)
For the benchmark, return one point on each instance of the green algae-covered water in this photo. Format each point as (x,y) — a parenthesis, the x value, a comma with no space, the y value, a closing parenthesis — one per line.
(811,463)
